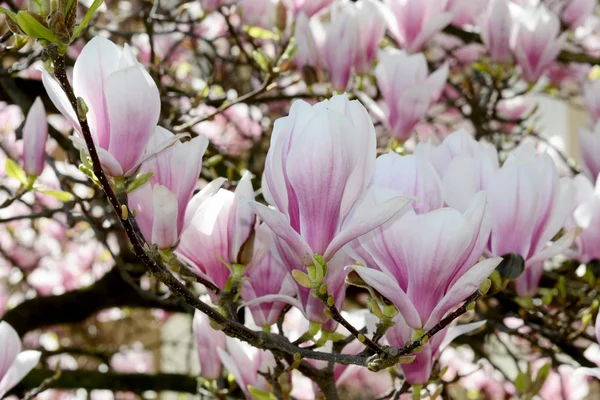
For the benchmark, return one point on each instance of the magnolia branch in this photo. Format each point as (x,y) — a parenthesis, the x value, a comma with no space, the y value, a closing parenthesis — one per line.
(277,344)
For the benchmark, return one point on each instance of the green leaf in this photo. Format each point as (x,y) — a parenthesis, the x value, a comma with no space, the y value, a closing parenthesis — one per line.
(522,382)
(87,18)
(258,394)
(540,378)
(58,194)
(8,13)
(260,33)
(140,180)
(34,29)
(15,171)
(261,59)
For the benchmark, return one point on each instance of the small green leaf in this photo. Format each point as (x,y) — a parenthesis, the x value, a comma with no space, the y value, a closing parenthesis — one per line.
(540,378)
(522,382)
(8,13)
(261,59)
(58,194)
(15,171)
(258,394)
(290,52)
(87,18)
(140,180)
(34,29)
(257,32)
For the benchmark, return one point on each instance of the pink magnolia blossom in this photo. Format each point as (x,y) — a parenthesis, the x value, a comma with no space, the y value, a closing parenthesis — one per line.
(35,134)
(589,146)
(310,36)
(531,204)
(208,341)
(244,362)
(465,12)
(268,279)
(14,363)
(315,188)
(308,7)
(340,48)
(407,88)
(414,22)
(564,383)
(372,25)
(161,204)
(576,12)
(123,102)
(536,41)
(459,144)
(428,266)
(591,98)
(586,216)
(424,261)
(496,24)
(217,226)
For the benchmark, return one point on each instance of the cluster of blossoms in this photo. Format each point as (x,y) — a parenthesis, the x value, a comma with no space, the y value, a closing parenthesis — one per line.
(420,226)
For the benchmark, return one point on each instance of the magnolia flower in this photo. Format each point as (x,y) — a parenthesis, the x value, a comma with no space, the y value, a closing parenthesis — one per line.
(531,204)
(308,7)
(244,362)
(407,89)
(161,204)
(318,166)
(14,363)
(35,134)
(591,98)
(372,25)
(563,383)
(464,12)
(577,11)
(414,22)
(586,216)
(464,165)
(217,226)
(208,342)
(589,146)
(496,24)
(428,265)
(536,41)
(340,48)
(424,261)
(309,35)
(123,102)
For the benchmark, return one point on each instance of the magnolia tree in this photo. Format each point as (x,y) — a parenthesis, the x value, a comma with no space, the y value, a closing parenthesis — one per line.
(347,200)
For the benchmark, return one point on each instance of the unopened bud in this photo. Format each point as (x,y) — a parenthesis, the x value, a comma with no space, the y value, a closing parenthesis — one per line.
(361,338)
(323,289)
(124,212)
(485,286)
(330,301)
(82,109)
(328,313)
